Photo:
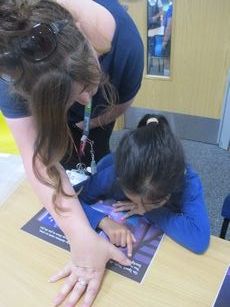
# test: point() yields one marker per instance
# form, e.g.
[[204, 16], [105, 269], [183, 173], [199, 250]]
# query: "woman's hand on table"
[[85, 272]]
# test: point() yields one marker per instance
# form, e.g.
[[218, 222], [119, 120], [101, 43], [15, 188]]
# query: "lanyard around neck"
[[86, 123]]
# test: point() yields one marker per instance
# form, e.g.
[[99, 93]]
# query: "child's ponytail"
[[150, 160]]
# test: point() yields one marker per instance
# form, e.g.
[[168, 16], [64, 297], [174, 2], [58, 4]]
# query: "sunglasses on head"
[[39, 44]]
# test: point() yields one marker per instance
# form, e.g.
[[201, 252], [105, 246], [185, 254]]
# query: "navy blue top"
[[190, 227], [123, 63], [168, 15]]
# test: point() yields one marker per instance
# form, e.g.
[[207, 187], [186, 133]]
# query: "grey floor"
[[213, 166], [211, 162]]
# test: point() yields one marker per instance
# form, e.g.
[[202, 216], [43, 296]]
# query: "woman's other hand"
[[85, 272]]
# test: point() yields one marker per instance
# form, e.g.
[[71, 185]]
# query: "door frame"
[[224, 128]]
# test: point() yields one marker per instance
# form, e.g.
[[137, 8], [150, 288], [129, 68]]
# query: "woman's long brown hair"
[[47, 85]]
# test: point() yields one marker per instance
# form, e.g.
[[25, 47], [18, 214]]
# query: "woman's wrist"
[[73, 223], [80, 236]]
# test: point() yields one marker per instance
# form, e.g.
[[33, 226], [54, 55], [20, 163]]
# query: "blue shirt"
[[190, 227], [123, 63], [168, 15]]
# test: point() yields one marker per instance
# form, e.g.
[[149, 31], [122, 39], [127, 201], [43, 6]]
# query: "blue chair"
[[226, 215]]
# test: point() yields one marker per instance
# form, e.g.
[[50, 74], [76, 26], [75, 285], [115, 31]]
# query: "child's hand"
[[130, 207], [118, 234]]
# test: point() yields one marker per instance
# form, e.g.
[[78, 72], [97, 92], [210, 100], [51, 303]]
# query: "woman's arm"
[[89, 252], [109, 116], [24, 133]]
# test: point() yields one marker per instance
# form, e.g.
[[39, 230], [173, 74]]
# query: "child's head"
[[150, 162]]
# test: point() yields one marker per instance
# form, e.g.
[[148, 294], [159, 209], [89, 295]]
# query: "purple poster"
[[148, 238], [223, 296]]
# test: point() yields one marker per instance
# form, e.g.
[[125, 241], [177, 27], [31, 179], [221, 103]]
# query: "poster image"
[[223, 295], [148, 237]]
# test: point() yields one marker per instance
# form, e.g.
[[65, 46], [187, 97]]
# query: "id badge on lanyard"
[[85, 134], [86, 122]]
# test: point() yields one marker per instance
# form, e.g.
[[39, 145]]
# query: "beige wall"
[[200, 58]]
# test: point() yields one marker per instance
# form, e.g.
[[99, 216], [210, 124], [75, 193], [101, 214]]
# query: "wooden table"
[[177, 277]]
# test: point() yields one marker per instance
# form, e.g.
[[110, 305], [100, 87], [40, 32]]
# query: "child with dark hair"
[[148, 176]]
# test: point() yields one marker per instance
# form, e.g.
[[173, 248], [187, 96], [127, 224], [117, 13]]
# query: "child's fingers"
[[118, 239], [128, 214], [112, 238], [129, 245], [123, 206], [133, 238], [119, 209], [127, 207], [123, 239], [120, 203]]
